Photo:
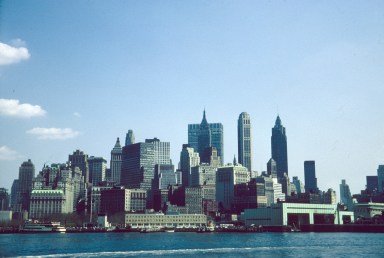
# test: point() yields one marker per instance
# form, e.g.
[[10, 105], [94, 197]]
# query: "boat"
[[42, 227]]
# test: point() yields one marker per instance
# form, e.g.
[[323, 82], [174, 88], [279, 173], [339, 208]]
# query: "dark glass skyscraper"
[[204, 137], [216, 135], [279, 148], [310, 179]]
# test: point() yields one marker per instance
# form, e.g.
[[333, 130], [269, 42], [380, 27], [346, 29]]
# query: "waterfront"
[[193, 244]]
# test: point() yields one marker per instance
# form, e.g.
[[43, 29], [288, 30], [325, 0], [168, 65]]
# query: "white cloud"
[[7, 154], [12, 107], [77, 114], [11, 55], [53, 133]]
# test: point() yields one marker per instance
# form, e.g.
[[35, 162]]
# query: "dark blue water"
[[193, 244]]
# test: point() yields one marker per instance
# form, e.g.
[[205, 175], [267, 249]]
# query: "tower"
[[244, 140], [129, 138], [204, 137], [80, 160], [115, 164], [26, 175], [97, 169], [380, 178], [188, 159], [279, 148], [216, 137], [310, 179]]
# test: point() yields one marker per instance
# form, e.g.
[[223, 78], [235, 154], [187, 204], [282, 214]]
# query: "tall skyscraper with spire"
[[244, 140], [204, 137], [115, 164], [279, 148], [216, 136]]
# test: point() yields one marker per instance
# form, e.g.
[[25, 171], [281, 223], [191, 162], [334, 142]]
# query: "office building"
[[115, 165], [129, 138], [203, 174], [345, 194], [271, 168], [14, 195], [80, 159], [164, 176], [26, 175], [216, 137], [244, 140], [119, 199], [97, 168], [4, 199], [310, 179], [188, 159], [372, 183], [195, 196], [139, 160], [226, 179], [380, 178], [279, 148], [299, 186]]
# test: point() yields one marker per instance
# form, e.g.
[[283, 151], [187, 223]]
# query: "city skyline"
[[94, 70]]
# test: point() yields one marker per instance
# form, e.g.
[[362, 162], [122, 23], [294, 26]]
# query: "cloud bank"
[[53, 133], [7, 154], [12, 55], [12, 107]]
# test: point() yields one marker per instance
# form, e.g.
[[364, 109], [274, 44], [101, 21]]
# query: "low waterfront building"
[[368, 210], [283, 214], [160, 220]]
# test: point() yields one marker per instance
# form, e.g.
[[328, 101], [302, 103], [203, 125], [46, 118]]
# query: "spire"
[[278, 121], [234, 160], [117, 145], [204, 121]]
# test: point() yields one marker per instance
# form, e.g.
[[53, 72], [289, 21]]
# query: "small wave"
[[158, 252]]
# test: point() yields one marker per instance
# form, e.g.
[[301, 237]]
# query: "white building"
[[44, 203], [283, 214]]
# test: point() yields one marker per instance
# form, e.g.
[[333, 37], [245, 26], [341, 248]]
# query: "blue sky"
[[87, 71]]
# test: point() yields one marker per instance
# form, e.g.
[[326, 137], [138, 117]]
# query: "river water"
[[193, 244]]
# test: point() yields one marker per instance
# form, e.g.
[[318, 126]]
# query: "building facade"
[[244, 140]]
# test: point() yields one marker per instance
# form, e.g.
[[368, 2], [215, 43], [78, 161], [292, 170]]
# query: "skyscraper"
[[244, 139], [204, 137], [129, 138], [80, 160], [279, 148], [372, 183], [188, 159], [380, 178], [216, 136], [115, 164], [345, 194], [97, 168], [139, 160], [26, 175], [310, 179]]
